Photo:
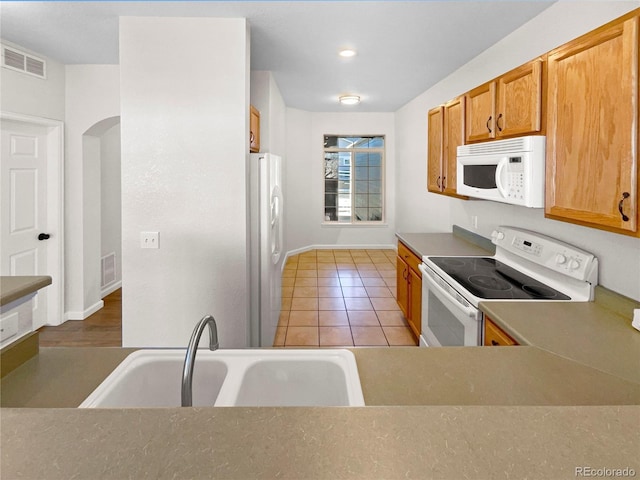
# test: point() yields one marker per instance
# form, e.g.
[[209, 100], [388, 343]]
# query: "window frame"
[[382, 151]]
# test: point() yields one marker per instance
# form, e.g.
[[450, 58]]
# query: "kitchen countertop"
[[587, 332], [432, 413], [446, 244], [538, 411], [13, 288]]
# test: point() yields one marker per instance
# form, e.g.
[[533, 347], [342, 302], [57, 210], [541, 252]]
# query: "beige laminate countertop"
[[441, 244], [586, 332], [13, 288], [432, 413]]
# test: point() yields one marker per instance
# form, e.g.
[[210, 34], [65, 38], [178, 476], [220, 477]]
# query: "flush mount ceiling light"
[[347, 53], [349, 99]]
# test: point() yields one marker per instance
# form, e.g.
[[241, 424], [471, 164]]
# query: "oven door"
[[448, 320]]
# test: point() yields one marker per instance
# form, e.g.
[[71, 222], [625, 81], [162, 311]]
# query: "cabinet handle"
[[251, 137], [438, 182], [498, 122], [404, 274], [444, 182], [494, 343], [625, 195], [488, 120]]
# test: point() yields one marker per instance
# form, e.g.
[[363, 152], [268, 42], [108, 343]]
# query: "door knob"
[[44, 236]]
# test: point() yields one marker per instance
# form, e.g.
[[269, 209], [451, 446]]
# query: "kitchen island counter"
[[431, 413]]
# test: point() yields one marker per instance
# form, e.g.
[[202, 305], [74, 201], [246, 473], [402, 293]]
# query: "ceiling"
[[403, 47]]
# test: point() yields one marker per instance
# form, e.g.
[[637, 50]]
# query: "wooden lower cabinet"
[[409, 288], [494, 336]]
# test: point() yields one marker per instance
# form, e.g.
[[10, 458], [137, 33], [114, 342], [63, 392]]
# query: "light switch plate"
[[149, 239]]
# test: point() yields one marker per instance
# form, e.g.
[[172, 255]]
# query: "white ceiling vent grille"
[[23, 62]]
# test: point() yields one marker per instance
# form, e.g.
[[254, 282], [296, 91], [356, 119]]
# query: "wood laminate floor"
[[102, 329]]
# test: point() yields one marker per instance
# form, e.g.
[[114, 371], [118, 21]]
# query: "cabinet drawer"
[[494, 336], [9, 326], [408, 256]]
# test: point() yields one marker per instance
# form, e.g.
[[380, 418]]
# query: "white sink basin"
[[153, 378]]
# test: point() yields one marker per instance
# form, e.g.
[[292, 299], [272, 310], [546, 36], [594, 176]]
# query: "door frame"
[[55, 210]]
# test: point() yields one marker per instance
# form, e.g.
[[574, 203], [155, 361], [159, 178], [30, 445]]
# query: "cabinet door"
[[481, 107], [254, 133], [453, 137], [519, 110], [435, 139], [592, 130], [402, 285], [415, 297], [494, 336]]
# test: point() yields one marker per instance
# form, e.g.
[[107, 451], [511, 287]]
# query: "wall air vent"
[[15, 59], [108, 269]]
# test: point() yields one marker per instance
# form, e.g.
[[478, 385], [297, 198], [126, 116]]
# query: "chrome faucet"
[[190, 358]]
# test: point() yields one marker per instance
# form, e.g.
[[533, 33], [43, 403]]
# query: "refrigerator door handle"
[[276, 224]]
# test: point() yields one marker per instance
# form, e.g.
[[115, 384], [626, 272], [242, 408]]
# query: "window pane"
[[362, 201], [376, 142], [362, 173], [375, 201], [375, 159], [362, 187], [375, 186], [375, 214], [374, 173], [330, 200], [330, 141], [362, 214], [330, 186], [330, 215], [330, 165], [344, 206], [362, 159]]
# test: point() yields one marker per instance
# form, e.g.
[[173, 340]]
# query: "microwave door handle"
[[501, 166], [469, 311]]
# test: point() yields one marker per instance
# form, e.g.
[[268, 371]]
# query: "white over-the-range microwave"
[[508, 171]]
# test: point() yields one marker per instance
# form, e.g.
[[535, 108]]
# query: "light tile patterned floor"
[[341, 298]]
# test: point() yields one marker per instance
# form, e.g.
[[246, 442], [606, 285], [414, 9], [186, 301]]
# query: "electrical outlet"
[[149, 239], [474, 221]]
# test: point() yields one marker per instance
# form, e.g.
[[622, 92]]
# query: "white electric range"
[[527, 266]]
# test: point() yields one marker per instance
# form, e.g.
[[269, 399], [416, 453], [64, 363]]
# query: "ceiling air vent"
[[23, 62]]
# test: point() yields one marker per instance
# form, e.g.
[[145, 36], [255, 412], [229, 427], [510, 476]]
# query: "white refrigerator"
[[266, 232]]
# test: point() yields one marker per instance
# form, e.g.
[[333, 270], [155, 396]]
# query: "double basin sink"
[[153, 378]]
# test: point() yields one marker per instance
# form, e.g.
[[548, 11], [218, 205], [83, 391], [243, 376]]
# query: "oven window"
[[480, 176], [443, 324]]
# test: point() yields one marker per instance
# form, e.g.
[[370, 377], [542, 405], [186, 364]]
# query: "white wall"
[[184, 135], [110, 198], [266, 97], [619, 255], [92, 96], [29, 95], [304, 179]]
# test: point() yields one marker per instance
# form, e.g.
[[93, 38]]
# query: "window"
[[353, 179]]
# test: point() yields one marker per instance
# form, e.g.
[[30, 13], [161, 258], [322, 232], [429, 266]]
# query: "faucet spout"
[[190, 357]]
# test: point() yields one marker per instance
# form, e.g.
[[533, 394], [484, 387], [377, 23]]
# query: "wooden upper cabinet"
[[519, 110], [435, 148], [509, 106], [445, 134], [453, 137], [254, 130], [592, 129], [481, 112]]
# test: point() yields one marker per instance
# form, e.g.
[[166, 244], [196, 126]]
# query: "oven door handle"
[[468, 310]]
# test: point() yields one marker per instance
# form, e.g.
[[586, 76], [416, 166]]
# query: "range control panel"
[[546, 251]]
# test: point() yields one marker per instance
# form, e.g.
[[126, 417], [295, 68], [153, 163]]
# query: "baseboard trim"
[[297, 251], [82, 315], [111, 288]]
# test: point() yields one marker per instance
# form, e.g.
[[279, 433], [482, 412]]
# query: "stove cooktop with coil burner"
[[488, 278]]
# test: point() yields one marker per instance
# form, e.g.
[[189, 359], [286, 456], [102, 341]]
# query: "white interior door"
[[23, 187]]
